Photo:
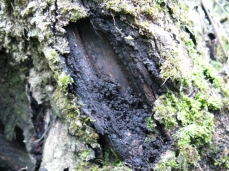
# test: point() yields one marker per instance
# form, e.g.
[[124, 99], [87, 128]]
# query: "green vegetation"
[[72, 11], [224, 162], [69, 109], [85, 154], [189, 114], [186, 113], [150, 123], [166, 164], [51, 55], [27, 36], [9, 5], [201, 92], [135, 8], [188, 155], [111, 158], [64, 81]]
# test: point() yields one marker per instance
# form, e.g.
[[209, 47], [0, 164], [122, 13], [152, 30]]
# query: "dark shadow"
[[19, 137], [1, 128]]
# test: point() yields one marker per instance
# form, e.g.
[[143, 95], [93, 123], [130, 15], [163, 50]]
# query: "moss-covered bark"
[[36, 84]]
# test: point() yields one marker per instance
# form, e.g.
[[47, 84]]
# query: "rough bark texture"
[[80, 79], [116, 88]]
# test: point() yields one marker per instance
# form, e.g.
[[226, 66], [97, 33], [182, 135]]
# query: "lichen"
[[70, 11], [28, 32]]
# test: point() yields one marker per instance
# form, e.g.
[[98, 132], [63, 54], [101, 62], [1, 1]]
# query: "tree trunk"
[[81, 79]]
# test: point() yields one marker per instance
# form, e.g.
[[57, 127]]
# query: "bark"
[[117, 84], [90, 74]]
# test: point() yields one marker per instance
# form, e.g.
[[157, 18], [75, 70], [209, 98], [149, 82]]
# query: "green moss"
[[70, 111], [150, 124], [64, 81], [84, 155], [188, 155], [191, 116], [135, 8], [223, 162], [195, 134], [166, 164], [51, 55], [111, 161], [71, 11], [165, 112], [76, 15], [120, 6], [170, 109], [188, 113]]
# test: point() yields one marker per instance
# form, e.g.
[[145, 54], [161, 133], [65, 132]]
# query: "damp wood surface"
[[116, 90]]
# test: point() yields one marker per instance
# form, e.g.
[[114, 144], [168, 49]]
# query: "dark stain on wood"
[[118, 82]]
